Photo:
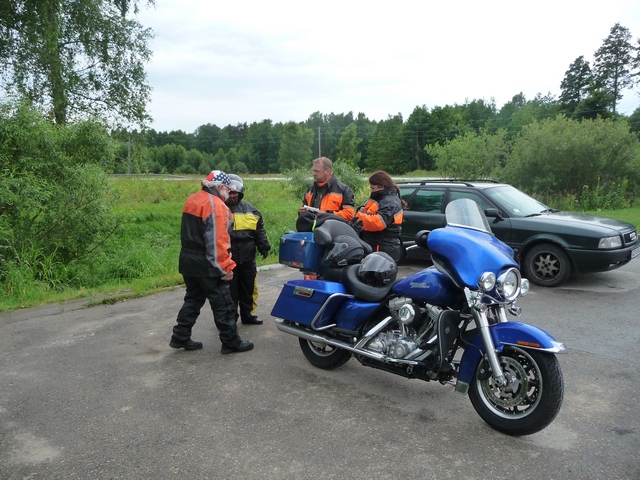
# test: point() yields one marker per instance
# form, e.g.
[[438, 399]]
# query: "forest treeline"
[[396, 144]]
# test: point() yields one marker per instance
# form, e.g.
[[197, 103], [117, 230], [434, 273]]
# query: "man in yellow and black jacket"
[[247, 236]]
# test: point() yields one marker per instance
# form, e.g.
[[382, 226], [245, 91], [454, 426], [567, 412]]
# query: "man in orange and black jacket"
[[328, 194], [206, 265]]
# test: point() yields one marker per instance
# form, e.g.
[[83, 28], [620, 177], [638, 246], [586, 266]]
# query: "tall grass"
[[142, 257]]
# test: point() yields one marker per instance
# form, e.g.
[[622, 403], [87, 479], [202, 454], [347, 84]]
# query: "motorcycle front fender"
[[509, 333]]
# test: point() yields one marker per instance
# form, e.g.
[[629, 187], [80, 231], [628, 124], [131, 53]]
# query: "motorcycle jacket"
[[248, 233], [381, 219], [333, 196], [204, 234]]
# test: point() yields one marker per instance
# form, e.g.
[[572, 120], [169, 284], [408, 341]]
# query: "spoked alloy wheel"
[[530, 400], [547, 265], [323, 355]]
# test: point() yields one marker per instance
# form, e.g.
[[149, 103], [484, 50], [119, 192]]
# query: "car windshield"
[[514, 202]]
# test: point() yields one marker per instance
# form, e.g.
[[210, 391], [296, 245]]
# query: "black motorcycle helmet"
[[378, 269], [237, 184], [346, 251]]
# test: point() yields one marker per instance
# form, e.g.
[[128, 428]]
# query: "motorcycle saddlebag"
[[301, 300], [299, 250]]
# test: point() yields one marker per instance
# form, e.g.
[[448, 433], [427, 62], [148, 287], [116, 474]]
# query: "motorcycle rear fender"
[[509, 333]]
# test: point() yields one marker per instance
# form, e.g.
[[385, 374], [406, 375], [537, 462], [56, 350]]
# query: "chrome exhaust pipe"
[[314, 337]]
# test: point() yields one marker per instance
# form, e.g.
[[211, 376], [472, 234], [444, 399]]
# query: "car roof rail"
[[465, 181]]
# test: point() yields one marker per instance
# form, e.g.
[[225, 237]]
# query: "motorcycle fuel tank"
[[428, 285]]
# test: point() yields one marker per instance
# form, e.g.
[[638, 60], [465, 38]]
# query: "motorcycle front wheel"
[[531, 399], [323, 355]]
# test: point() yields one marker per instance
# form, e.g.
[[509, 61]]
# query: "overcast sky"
[[246, 61]]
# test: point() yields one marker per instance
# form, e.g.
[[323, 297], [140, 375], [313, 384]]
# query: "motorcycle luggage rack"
[[328, 310]]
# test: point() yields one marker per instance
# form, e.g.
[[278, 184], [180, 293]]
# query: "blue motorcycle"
[[447, 323]]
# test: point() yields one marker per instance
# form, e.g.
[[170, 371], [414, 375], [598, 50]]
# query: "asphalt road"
[[93, 393]]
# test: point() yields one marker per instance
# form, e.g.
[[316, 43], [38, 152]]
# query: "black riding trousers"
[[200, 289]]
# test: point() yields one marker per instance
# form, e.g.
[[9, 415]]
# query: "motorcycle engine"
[[401, 341]]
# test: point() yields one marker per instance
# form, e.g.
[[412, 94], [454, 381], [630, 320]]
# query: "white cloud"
[[245, 61]]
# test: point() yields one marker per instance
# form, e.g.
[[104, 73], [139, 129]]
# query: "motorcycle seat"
[[361, 290], [326, 233]]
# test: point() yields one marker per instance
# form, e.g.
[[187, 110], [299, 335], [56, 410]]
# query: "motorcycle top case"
[[301, 300], [299, 250]]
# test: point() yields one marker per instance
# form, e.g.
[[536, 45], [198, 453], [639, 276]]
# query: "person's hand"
[[264, 254], [357, 225], [228, 277]]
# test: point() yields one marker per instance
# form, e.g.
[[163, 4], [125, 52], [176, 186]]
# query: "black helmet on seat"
[[378, 268], [346, 251]]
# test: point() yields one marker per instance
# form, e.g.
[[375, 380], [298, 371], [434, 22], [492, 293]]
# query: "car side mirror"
[[493, 213], [421, 238]]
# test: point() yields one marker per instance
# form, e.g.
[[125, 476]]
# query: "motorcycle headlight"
[[509, 284], [487, 281]]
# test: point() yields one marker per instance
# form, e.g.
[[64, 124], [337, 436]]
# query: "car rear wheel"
[[547, 265]]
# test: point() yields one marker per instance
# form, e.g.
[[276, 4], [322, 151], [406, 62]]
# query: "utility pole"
[[319, 147]]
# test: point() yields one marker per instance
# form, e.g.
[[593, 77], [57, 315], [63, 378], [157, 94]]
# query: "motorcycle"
[[447, 323]]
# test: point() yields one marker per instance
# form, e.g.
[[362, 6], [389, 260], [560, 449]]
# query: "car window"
[[405, 193], [482, 203], [427, 201], [514, 201]]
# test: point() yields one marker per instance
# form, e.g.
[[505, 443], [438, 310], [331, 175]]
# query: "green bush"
[[55, 200], [472, 155], [563, 156]]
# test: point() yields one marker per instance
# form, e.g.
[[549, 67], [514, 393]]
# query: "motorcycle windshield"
[[466, 248], [466, 213]]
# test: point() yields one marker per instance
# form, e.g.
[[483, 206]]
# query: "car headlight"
[[508, 284], [487, 281], [610, 242]]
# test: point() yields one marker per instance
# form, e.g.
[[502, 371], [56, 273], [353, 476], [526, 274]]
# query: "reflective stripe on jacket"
[[204, 234], [381, 219], [248, 233], [334, 196]]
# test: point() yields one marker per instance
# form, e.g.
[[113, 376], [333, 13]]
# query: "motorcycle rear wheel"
[[323, 355], [530, 402]]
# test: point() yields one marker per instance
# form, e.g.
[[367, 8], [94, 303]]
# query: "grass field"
[[143, 259]]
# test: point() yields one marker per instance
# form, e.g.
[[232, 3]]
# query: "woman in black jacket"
[[380, 219]]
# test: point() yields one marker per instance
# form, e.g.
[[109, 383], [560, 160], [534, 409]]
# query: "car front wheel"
[[547, 265]]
